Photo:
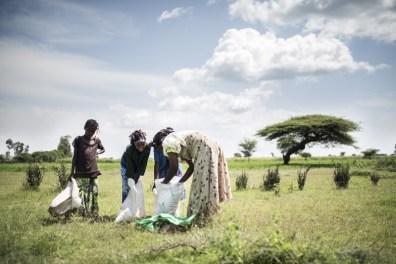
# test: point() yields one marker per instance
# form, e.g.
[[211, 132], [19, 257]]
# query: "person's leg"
[[94, 191], [124, 185], [140, 198], [83, 187]]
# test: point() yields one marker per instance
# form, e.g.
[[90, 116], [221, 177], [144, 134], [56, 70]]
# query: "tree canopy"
[[64, 147], [248, 146], [295, 133]]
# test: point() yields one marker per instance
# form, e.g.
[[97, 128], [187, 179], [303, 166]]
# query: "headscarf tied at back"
[[138, 136], [159, 137]]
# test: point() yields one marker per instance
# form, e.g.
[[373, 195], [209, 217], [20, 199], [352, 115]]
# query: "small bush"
[[34, 176], [302, 176], [305, 155], [374, 177], [341, 175], [63, 177], [271, 179], [241, 181], [386, 163]]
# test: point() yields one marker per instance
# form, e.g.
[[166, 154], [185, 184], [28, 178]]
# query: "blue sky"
[[226, 68]]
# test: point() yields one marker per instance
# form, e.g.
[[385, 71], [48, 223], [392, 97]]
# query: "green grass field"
[[320, 223]]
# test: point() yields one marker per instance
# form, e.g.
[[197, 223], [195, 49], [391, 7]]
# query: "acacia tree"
[[248, 146], [294, 134]]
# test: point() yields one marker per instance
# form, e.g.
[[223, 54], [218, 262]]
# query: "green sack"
[[155, 222]]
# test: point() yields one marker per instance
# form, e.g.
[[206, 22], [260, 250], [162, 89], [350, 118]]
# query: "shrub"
[[34, 176], [302, 176], [386, 163], [63, 177], [45, 156], [369, 153], [341, 175], [237, 155], [241, 181], [272, 178], [374, 177], [305, 155], [23, 157]]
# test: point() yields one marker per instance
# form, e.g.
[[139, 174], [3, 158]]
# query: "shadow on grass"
[[51, 220], [312, 165]]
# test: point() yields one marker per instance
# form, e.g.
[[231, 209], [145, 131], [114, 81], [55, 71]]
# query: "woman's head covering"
[[159, 137], [138, 136]]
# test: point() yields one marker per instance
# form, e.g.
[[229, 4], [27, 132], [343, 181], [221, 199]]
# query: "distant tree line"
[[19, 152]]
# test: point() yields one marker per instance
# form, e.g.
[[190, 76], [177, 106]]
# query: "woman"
[[134, 164], [211, 182]]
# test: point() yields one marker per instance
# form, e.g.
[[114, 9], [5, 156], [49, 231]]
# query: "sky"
[[225, 68]]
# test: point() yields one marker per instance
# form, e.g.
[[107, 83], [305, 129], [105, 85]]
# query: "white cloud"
[[174, 13], [246, 55], [355, 18], [38, 72], [218, 102]]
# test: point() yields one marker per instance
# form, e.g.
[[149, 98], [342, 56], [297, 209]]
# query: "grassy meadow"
[[321, 224]]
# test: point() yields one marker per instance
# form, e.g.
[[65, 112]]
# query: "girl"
[[134, 163]]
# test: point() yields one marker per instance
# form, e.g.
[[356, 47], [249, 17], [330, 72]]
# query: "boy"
[[85, 168]]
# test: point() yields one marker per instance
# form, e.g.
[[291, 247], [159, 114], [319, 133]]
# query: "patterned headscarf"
[[138, 136], [159, 137]]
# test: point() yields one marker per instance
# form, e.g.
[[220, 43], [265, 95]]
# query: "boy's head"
[[138, 138], [90, 127]]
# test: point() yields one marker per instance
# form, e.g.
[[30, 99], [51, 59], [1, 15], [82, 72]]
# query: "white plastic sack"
[[133, 205], [168, 196], [68, 199]]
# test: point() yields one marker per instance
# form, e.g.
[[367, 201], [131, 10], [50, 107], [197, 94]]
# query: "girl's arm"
[[188, 172], [173, 167]]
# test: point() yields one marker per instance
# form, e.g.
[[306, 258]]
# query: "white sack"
[[133, 205], [167, 196], [68, 199]]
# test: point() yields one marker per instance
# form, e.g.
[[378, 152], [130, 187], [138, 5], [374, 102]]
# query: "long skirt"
[[211, 180]]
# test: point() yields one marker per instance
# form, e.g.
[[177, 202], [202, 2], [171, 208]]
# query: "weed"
[[341, 175], [271, 179], [241, 181]]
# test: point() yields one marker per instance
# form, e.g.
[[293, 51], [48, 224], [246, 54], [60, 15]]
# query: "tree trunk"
[[286, 158]]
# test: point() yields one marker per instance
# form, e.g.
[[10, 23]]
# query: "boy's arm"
[[100, 147], [73, 165]]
